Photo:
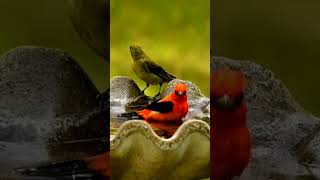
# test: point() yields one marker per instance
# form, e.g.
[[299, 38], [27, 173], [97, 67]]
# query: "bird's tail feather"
[[168, 77], [171, 76], [130, 115]]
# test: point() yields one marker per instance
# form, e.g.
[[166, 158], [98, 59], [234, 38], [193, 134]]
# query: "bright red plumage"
[[231, 142], [175, 111], [168, 113]]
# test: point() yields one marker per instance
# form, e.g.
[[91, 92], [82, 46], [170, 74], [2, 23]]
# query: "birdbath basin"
[[139, 152]]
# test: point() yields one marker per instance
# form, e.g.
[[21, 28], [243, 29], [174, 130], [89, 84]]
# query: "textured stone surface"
[[123, 93], [284, 135], [199, 105], [123, 89], [138, 153], [48, 109], [42, 90]]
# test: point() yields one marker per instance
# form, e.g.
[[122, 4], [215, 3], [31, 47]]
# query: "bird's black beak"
[[224, 101], [227, 102]]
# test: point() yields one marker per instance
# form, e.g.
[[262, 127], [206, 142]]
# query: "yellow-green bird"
[[147, 70]]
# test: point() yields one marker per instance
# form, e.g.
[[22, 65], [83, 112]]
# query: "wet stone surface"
[[285, 137], [49, 109]]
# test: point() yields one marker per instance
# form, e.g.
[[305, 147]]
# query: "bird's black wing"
[[158, 70], [162, 107]]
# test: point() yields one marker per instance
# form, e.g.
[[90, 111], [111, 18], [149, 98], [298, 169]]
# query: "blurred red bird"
[[231, 141], [94, 167], [172, 108], [99, 164]]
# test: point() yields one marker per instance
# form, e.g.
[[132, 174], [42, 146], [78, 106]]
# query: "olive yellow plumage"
[[147, 70]]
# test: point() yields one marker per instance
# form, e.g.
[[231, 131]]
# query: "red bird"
[[165, 114], [99, 164], [231, 141], [172, 108]]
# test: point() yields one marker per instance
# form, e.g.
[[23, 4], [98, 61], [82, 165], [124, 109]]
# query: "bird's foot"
[[141, 95]]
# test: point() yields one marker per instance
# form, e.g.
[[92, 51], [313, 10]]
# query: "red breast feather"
[[231, 142], [171, 108]]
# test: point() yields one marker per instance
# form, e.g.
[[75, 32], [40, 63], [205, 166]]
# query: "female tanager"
[[147, 70]]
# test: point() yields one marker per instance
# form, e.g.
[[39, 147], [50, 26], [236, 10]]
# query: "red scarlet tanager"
[[231, 142], [172, 108]]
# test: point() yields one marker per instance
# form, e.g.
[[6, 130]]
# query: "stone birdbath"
[[139, 152]]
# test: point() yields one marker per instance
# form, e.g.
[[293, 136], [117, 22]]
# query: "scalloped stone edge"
[[140, 126]]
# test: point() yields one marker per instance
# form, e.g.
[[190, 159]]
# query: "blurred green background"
[[284, 36], [175, 34], [47, 23]]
